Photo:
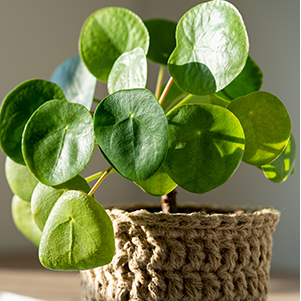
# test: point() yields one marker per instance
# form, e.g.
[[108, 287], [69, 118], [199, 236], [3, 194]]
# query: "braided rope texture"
[[187, 257]]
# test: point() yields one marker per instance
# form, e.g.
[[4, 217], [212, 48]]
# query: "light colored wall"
[[38, 35]]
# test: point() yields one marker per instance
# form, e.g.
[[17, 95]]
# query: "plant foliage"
[[194, 132]]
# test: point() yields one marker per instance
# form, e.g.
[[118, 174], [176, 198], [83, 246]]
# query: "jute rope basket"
[[187, 257]]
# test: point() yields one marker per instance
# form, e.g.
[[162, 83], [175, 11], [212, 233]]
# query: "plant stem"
[[159, 81], [96, 100], [103, 176], [184, 100], [164, 93], [97, 175], [168, 202]]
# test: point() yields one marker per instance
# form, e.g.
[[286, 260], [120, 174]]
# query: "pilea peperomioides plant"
[[193, 132]]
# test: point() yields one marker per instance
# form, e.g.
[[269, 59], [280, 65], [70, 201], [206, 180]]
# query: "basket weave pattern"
[[185, 257]]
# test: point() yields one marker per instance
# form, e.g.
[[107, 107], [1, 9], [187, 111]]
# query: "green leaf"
[[132, 132], [206, 146], [20, 180], [58, 141], [44, 197], [280, 169], [248, 81], [76, 81], [17, 108], [212, 48], [162, 39], [266, 124], [24, 221], [108, 33], [129, 71], [78, 234], [159, 184]]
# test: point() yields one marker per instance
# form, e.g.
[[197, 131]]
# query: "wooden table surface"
[[26, 277]]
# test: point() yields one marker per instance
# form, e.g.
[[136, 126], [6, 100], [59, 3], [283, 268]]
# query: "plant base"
[[186, 256]]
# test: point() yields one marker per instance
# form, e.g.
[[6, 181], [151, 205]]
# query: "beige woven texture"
[[185, 257]]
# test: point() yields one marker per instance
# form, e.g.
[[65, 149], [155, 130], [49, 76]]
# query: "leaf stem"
[[159, 81], [97, 175], [184, 100], [103, 176], [96, 100], [164, 93]]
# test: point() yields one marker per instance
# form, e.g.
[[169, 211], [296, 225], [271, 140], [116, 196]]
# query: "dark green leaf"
[[23, 220], [78, 234], [248, 81], [76, 81], [266, 124], [280, 169], [108, 33], [129, 71], [20, 180], [212, 48], [162, 39], [132, 132], [17, 108], [44, 197], [206, 146], [159, 184], [58, 141]]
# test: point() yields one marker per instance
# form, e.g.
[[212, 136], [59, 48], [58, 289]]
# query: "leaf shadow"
[[194, 78]]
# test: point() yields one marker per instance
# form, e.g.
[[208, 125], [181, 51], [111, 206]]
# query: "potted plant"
[[193, 132]]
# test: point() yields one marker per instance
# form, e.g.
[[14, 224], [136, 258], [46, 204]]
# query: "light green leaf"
[[108, 33], [280, 169], [206, 146], [17, 108], [20, 180], [212, 48], [159, 184], [266, 124], [129, 71], [76, 81], [44, 197], [58, 141], [78, 234], [162, 39], [132, 132], [248, 81], [24, 221]]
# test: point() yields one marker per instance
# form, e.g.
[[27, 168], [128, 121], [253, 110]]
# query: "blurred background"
[[36, 36]]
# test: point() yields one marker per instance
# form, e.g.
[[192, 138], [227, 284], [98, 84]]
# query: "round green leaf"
[[20, 180], [132, 132], [280, 169], [158, 184], [78, 234], [266, 124], [23, 220], [162, 39], [58, 141], [248, 81], [17, 108], [44, 197], [206, 146], [129, 71], [212, 48], [76, 81], [108, 33]]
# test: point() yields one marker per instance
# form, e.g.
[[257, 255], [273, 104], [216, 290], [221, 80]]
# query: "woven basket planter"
[[187, 257]]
